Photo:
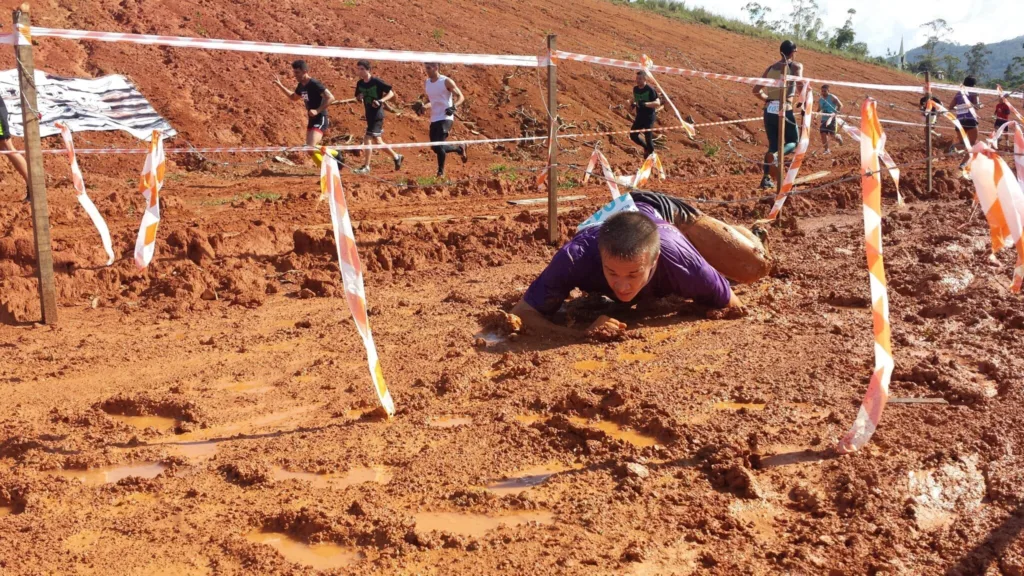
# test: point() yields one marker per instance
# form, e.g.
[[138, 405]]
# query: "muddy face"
[[627, 277]]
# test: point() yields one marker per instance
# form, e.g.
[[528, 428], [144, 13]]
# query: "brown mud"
[[213, 414]]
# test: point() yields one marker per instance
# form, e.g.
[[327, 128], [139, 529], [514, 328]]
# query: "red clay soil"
[[212, 381]]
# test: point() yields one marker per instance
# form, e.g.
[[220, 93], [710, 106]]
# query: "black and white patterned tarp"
[[84, 104]]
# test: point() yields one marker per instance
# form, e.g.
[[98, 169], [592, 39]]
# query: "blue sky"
[[881, 23]]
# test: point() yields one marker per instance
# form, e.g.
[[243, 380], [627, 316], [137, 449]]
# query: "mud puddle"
[[477, 524], [590, 365], [325, 556], [260, 424], [528, 419], [617, 432], [376, 474], [6, 511], [195, 451], [112, 474], [753, 407], [449, 421], [527, 478]]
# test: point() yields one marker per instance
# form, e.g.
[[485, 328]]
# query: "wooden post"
[[552, 144], [783, 100], [928, 127], [34, 158]]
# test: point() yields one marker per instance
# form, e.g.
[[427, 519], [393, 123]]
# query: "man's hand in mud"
[[730, 313], [606, 324]]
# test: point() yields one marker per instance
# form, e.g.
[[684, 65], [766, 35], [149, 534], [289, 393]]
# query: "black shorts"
[[999, 123], [827, 126], [375, 128], [5, 129], [320, 123], [968, 122], [771, 127]]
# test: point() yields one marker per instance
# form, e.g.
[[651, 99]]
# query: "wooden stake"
[[928, 127], [34, 158], [783, 100], [552, 144]]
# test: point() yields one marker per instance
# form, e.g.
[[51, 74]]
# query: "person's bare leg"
[[390, 150], [18, 161], [367, 139]]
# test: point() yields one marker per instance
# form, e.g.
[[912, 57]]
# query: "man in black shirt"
[[317, 98], [373, 93], [645, 102]]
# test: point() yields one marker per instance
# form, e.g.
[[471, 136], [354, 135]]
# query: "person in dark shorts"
[[966, 110], [317, 99], [16, 159], [773, 99], [443, 98], [373, 93], [829, 105], [645, 102], [631, 257], [933, 115]]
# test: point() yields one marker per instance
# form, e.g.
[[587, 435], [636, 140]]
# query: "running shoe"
[[362, 170], [464, 153], [398, 162], [766, 183]]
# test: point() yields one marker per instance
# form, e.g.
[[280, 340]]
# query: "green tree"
[[807, 24], [977, 60], [758, 15], [845, 36], [1013, 76], [951, 66], [938, 30]]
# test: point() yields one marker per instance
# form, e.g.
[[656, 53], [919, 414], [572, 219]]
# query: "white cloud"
[[881, 23]]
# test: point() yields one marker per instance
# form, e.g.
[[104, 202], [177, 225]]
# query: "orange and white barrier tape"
[[877, 396], [150, 184], [79, 183], [651, 163], [890, 164], [352, 273], [292, 49], [1001, 198], [647, 64], [930, 104], [666, 69], [606, 169], [807, 96]]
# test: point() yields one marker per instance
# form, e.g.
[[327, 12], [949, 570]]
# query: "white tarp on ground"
[[107, 103]]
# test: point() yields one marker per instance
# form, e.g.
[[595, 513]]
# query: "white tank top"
[[440, 98]]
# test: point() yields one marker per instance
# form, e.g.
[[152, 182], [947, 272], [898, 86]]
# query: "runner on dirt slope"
[[645, 102], [633, 256], [829, 105], [317, 99], [771, 109], [443, 98], [373, 93]]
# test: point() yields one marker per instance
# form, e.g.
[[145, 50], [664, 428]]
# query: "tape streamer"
[[79, 182]]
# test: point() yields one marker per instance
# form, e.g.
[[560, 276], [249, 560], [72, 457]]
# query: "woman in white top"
[[440, 91]]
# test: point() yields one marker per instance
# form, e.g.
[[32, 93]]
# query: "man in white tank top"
[[440, 91]]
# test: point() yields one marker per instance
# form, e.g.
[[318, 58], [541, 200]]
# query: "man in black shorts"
[[317, 98], [17, 160], [775, 99], [645, 102], [373, 93]]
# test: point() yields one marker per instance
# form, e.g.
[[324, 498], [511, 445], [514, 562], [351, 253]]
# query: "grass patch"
[[568, 183], [438, 33], [505, 172], [428, 181], [711, 150], [258, 197]]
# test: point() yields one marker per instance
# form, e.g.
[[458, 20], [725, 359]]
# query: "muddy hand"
[[606, 323]]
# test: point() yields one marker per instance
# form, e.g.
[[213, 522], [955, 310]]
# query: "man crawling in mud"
[[633, 256]]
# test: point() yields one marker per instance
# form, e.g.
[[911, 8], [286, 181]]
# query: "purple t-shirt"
[[681, 271]]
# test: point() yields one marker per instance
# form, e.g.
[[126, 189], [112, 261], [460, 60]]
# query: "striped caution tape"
[[352, 273], [651, 164], [890, 164], [150, 184], [79, 183], [292, 49], [597, 158], [1002, 200], [877, 395], [807, 96], [647, 64]]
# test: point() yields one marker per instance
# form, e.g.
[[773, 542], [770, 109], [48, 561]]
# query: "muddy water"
[[477, 524], [449, 421], [738, 406], [143, 422], [377, 474], [528, 418], [324, 556], [6, 511], [111, 474], [618, 432], [526, 479], [636, 357], [197, 451]]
